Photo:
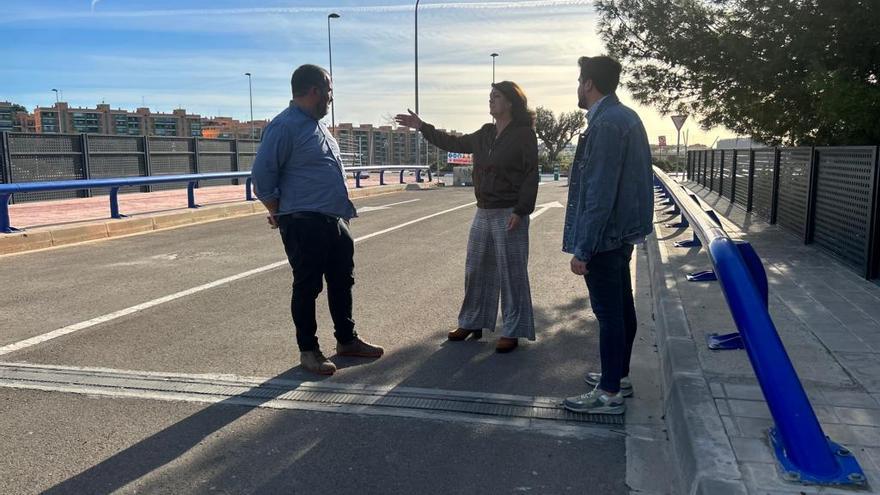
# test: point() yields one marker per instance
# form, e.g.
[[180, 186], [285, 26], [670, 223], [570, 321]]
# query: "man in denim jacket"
[[610, 208]]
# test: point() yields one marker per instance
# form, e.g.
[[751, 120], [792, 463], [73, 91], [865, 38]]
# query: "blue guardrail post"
[[802, 449]]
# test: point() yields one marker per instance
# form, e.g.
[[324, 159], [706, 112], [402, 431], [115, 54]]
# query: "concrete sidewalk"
[[62, 222], [827, 316]]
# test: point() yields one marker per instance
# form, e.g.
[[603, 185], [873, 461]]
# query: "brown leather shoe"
[[463, 333], [506, 344], [315, 362], [359, 348]]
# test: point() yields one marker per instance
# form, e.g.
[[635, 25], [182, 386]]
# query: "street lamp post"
[[418, 137], [58, 111], [332, 15], [251, 98], [493, 55]]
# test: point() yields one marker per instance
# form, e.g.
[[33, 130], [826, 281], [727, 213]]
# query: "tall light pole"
[[332, 15], [58, 111], [251, 97], [493, 55], [418, 136]]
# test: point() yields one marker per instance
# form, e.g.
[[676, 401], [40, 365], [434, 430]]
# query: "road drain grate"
[[279, 392]]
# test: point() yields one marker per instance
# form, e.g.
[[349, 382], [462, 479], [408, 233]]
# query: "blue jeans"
[[608, 280]]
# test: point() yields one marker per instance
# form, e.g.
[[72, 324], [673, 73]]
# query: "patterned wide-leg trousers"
[[497, 264]]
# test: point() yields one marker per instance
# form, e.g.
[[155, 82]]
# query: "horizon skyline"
[[194, 63]]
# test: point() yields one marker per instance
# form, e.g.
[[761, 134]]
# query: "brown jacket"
[[505, 169]]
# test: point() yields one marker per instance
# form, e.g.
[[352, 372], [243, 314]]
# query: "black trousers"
[[319, 247], [611, 297]]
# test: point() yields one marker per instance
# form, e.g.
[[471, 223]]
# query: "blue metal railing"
[[383, 168], [802, 449], [192, 180], [7, 190]]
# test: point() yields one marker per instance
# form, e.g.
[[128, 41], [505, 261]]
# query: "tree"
[[782, 71], [556, 134]]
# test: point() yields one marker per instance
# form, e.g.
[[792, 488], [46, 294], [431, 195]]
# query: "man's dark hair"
[[307, 76], [604, 72]]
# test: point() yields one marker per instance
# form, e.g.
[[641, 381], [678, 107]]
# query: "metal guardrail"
[[7, 190], [27, 157], [192, 180], [383, 168], [805, 454]]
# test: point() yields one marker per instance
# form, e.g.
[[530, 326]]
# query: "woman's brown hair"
[[520, 113]]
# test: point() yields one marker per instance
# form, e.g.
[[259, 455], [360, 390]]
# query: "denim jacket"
[[610, 195]]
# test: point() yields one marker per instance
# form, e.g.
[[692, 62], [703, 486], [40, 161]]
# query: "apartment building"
[[386, 145], [61, 118], [229, 128], [15, 118]]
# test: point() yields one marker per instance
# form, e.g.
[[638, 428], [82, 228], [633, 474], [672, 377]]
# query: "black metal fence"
[[824, 195], [45, 157]]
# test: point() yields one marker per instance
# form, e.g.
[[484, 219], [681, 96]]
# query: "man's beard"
[[321, 110]]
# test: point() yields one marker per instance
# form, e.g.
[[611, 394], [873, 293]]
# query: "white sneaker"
[[626, 387]]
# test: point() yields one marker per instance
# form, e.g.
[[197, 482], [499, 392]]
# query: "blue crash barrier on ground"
[[804, 452]]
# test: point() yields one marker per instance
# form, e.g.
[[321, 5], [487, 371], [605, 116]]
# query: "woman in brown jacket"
[[506, 184]]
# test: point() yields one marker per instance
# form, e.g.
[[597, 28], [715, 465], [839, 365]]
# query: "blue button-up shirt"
[[298, 164]]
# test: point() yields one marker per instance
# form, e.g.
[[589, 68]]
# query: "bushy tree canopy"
[[782, 71], [556, 133]]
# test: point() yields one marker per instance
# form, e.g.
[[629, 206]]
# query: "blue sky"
[[193, 54]]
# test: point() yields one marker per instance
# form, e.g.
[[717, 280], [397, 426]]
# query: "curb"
[[65, 235], [702, 453]]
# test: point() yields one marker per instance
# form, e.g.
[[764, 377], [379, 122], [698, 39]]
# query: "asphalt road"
[[213, 300]]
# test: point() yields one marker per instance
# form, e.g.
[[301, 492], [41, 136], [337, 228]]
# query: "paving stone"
[[751, 450], [869, 457], [864, 367], [850, 435], [754, 427], [825, 414], [722, 406], [749, 408], [730, 426], [858, 416], [748, 392], [840, 339], [717, 389], [764, 477], [850, 398]]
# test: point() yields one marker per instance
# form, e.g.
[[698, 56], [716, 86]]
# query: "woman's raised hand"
[[409, 120]]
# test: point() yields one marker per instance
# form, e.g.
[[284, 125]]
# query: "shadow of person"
[[169, 444]]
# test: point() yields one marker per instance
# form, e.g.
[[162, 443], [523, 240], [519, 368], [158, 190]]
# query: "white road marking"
[[39, 339], [405, 224], [365, 209], [544, 207]]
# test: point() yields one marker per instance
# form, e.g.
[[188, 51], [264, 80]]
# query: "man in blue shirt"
[[299, 177], [610, 208]]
